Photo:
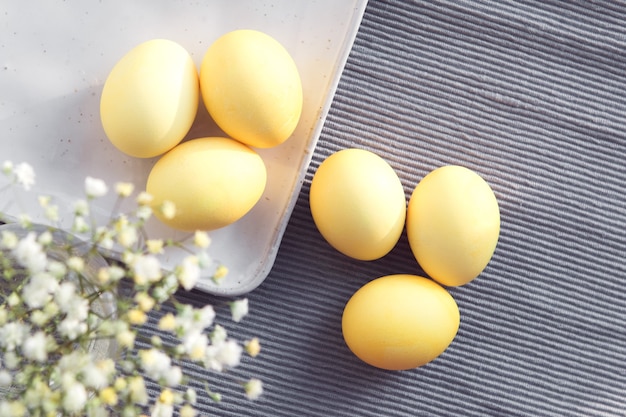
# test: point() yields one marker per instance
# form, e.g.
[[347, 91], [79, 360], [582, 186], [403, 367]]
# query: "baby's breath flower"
[[34, 347], [74, 398], [126, 339], [9, 239], [137, 317], [201, 239], [5, 378], [188, 411], [81, 208], [24, 175], [52, 213], [124, 189], [167, 322], [95, 188], [45, 238], [144, 198], [146, 268], [76, 263], [29, 253], [144, 301], [108, 396], [189, 272], [168, 209], [80, 225], [155, 246], [220, 273], [253, 388], [25, 220], [239, 309], [143, 212], [253, 347], [7, 168]]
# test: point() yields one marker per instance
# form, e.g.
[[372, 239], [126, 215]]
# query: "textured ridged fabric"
[[532, 96]]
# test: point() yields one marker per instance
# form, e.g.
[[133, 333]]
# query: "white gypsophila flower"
[[95, 187], [74, 398], [195, 344], [71, 328], [219, 334], [45, 238], [57, 269], [9, 240], [29, 253], [24, 175], [39, 289], [162, 410], [34, 347], [174, 377], [253, 388], [76, 263], [189, 272], [137, 390], [80, 225], [155, 363], [124, 189], [229, 353], [205, 316], [239, 309], [104, 237], [201, 239], [5, 378], [188, 411], [12, 335], [143, 212], [81, 208], [11, 360], [147, 268], [168, 209], [94, 376], [7, 168], [127, 236]]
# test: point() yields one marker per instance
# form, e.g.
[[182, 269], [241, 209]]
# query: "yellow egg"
[[358, 203], [251, 88], [453, 224], [400, 322], [212, 182], [150, 98]]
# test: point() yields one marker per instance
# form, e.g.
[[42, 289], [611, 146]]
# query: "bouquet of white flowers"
[[73, 304]]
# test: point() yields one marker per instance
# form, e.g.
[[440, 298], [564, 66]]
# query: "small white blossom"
[[9, 239], [39, 289], [201, 239], [155, 363], [74, 398], [174, 377], [189, 272], [168, 209], [124, 189], [239, 309], [12, 335], [76, 263], [147, 268], [80, 225], [71, 328], [34, 347], [24, 175], [162, 410], [45, 238], [253, 389], [5, 378], [95, 187], [7, 168], [81, 208], [29, 253]]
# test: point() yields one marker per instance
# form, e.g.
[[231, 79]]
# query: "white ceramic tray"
[[56, 55]]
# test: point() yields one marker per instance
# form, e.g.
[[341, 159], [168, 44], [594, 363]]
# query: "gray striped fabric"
[[531, 95]]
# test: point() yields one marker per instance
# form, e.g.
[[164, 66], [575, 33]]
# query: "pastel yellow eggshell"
[[150, 98], [358, 203], [212, 182], [453, 224], [400, 322], [252, 88]]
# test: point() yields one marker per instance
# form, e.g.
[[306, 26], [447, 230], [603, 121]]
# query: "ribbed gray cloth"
[[532, 96]]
